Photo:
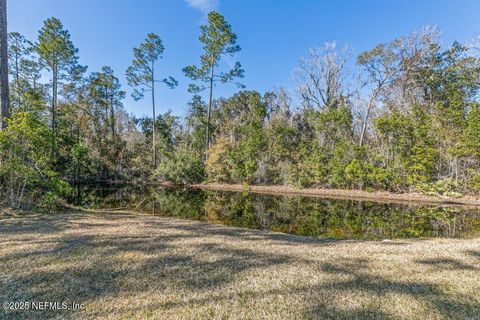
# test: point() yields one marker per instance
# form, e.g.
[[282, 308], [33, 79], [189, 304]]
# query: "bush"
[[356, 174], [447, 187], [342, 155], [474, 182], [312, 169], [181, 168], [27, 177], [217, 167]]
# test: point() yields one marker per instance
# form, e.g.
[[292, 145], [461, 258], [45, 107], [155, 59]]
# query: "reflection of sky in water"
[[315, 217]]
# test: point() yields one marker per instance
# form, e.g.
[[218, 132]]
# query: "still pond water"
[[306, 216]]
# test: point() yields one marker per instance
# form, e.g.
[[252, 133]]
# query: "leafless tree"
[[394, 70], [321, 76], [414, 53]]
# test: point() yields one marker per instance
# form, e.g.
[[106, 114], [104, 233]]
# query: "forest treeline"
[[402, 116]]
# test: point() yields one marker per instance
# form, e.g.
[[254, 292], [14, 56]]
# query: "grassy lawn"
[[144, 267]]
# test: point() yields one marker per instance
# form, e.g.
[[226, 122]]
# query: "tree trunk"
[[364, 127], [4, 102], [365, 121], [54, 107], [207, 134], [112, 120], [114, 143], [154, 147], [17, 78]]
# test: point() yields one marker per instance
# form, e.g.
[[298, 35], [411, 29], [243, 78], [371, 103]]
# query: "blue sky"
[[273, 34]]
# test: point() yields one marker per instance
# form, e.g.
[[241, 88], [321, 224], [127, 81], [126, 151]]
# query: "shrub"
[[27, 177], [217, 167], [474, 182], [181, 168], [447, 187]]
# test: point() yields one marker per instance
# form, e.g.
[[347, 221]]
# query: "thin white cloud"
[[205, 6]]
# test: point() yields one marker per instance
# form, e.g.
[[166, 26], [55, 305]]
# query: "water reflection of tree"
[[337, 218], [181, 203], [301, 215]]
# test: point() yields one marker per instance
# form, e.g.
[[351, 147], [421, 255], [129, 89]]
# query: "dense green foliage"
[[26, 173], [411, 123]]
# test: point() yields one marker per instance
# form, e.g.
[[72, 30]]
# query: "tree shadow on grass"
[[30, 225], [447, 264], [475, 254], [83, 268], [162, 256], [361, 279], [201, 229], [351, 278]]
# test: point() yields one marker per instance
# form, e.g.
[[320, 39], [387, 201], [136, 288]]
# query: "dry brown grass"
[[145, 267]]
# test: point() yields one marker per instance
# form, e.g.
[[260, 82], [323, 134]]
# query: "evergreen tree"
[[18, 50], [141, 75], [58, 54], [107, 94], [218, 41]]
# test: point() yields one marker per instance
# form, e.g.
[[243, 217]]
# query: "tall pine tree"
[[142, 77], [4, 100], [218, 41], [59, 55]]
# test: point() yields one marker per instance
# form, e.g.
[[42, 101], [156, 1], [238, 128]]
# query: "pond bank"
[[123, 266], [376, 196]]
